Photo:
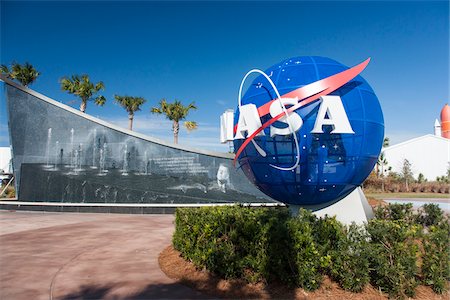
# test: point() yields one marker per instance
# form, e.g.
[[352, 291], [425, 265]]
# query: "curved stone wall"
[[62, 155]]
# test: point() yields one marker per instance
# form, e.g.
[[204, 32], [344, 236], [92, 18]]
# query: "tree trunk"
[[83, 106], [176, 129], [130, 119]]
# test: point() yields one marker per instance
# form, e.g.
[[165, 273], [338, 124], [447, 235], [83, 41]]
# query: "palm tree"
[[5, 70], [131, 105], [83, 88], [176, 112], [26, 74]]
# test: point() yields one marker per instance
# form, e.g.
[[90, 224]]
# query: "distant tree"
[[421, 178], [394, 176], [176, 112], [82, 87], [382, 162], [442, 179], [26, 74], [406, 173], [131, 105]]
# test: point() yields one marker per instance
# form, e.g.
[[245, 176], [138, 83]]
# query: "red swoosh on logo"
[[306, 94]]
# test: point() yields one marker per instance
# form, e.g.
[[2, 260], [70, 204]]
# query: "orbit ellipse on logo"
[[308, 130]]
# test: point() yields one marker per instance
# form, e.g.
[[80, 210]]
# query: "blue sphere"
[[331, 165]]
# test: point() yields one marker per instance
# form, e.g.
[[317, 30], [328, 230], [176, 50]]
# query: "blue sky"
[[199, 51]]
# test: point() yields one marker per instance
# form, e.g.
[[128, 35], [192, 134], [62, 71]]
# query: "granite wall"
[[62, 155]]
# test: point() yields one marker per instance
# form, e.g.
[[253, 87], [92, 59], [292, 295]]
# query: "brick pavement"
[[85, 256]]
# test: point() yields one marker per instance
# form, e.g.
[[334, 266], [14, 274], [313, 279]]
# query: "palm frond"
[[99, 86], [156, 110], [190, 125], [100, 100], [26, 74], [130, 104], [4, 70], [82, 87]]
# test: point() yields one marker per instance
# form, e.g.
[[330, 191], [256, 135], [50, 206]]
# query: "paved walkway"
[[85, 256]]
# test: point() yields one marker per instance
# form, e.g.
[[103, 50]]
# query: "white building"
[[428, 154], [5, 163], [5, 159]]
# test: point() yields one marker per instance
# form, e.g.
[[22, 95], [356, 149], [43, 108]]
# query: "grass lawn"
[[406, 195]]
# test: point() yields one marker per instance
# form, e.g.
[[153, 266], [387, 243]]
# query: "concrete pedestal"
[[353, 208]]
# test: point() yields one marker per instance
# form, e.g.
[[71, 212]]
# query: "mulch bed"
[[175, 267]]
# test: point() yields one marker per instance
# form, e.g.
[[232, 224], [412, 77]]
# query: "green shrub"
[[350, 260], [234, 241], [430, 214], [393, 256], [267, 244], [305, 254], [435, 263], [396, 211], [328, 233]]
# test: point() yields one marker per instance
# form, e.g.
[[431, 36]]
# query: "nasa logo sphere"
[[308, 130]]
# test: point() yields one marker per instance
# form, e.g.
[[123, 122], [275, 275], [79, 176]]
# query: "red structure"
[[445, 121]]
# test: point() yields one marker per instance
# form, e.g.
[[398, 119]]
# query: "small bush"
[[350, 260], [435, 264], [396, 212], [430, 214], [328, 233], [234, 241], [415, 187], [434, 187], [10, 191], [393, 256], [305, 255], [443, 189]]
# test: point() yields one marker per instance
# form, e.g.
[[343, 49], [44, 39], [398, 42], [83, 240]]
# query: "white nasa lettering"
[[249, 121], [294, 121], [331, 113], [332, 106]]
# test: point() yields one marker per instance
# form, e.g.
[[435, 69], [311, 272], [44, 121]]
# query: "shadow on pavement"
[[152, 291]]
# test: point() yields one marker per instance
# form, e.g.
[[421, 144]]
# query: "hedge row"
[[374, 184], [267, 244]]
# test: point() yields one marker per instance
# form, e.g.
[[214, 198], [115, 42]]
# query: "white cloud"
[[205, 137], [143, 125], [222, 102], [210, 143], [158, 123]]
